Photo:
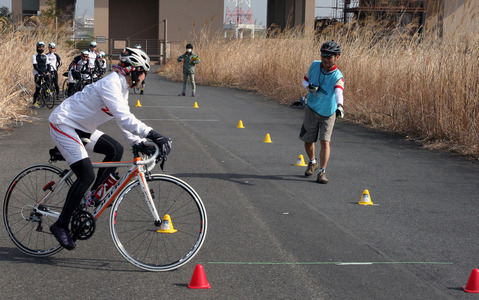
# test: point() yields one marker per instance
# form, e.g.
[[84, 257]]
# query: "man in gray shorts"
[[325, 84]]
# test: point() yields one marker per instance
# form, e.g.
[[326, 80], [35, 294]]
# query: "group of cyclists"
[[88, 67]]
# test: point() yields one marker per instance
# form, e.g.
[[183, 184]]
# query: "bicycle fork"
[[147, 193]]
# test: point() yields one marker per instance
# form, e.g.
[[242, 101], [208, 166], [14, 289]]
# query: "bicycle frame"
[[137, 168]]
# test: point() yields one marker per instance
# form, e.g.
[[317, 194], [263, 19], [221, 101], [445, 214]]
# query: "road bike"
[[157, 221], [47, 94], [80, 83]]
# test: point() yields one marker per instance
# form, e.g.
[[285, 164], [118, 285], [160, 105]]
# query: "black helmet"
[[330, 48], [189, 46]]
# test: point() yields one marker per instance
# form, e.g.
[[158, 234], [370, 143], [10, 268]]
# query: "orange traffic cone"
[[199, 281], [472, 285]]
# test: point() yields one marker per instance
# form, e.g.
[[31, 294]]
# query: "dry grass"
[[420, 86], [16, 50]]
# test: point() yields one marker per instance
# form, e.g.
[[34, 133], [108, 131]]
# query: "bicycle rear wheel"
[[152, 246], [28, 229]]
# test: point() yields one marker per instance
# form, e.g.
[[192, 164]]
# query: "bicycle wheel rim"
[[28, 231], [50, 99], [147, 245], [65, 89]]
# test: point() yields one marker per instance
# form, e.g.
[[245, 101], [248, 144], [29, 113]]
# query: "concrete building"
[[121, 23], [290, 13], [22, 9]]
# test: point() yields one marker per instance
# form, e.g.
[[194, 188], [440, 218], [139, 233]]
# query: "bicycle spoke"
[[27, 228], [146, 244]]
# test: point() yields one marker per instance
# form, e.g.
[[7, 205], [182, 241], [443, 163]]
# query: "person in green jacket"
[[190, 60]]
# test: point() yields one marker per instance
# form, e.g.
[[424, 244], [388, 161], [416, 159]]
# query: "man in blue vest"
[[325, 84]]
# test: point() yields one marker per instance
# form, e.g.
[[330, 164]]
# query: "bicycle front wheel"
[[50, 96], [65, 89], [148, 244], [26, 225]]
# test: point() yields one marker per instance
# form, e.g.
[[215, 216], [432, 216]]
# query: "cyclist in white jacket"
[[79, 116]]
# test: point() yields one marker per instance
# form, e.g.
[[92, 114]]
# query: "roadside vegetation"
[[421, 86], [17, 46]]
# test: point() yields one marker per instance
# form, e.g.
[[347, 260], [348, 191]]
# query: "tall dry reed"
[[417, 85], [18, 45]]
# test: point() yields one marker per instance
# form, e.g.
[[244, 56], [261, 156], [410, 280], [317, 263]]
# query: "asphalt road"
[[272, 233]]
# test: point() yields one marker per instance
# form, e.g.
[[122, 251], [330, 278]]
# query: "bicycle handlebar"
[[153, 157]]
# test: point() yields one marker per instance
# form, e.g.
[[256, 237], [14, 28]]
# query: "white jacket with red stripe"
[[98, 103]]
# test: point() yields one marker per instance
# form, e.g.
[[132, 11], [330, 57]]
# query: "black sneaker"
[[63, 236], [141, 93]]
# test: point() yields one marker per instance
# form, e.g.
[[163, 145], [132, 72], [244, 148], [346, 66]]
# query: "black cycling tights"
[[112, 150], [83, 169]]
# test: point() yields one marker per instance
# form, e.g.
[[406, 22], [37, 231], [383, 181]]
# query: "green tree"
[[51, 12], [4, 12]]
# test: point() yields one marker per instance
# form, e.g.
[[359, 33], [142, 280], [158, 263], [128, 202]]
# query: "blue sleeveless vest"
[[323, 101]]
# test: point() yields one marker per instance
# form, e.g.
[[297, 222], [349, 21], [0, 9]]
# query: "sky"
[[258, 8]]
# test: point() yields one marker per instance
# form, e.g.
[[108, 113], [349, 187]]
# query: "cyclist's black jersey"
[[41, 65]]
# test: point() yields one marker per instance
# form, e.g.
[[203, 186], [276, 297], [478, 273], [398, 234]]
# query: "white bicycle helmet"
[[136, 58], [52, 45]]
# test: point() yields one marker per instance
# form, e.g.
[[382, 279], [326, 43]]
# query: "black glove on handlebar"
[[163, 142]]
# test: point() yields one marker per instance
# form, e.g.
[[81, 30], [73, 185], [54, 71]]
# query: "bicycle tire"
[[28, 230], [134, 231], [65, 89], [50, 96], [41, 97]]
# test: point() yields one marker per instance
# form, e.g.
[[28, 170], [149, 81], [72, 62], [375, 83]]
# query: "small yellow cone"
[[240, 124], [366, 198], [196, 105], [301, 162], [138, 104], [267, 138], [167, 225]]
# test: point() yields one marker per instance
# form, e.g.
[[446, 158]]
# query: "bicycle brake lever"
[[162, 163]]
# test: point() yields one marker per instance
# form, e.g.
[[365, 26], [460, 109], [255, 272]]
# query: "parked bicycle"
[[47, 94], [35, 198], [80, 83]]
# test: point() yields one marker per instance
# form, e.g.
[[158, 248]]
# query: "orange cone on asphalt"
[[198, 280], [472, 285]]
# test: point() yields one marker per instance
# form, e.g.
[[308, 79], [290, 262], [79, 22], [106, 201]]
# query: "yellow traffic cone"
[[267, 138], [138, 104], [366, 198], [196, 105], [301, 162], [167, 225], [240, 124]]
